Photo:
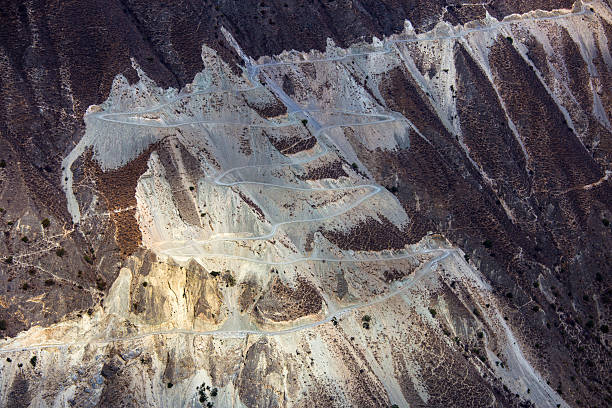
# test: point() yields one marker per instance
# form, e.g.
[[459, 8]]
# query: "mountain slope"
[[359, 226]]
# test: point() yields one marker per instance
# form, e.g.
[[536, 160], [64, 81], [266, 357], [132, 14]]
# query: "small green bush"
[[25, 239], [604, 328], [230, 280], [366, 318], [100, 283], [45, 223], [487, 243], [170, 385], [433, 312], [33, 361], [2, 164], [8, 260], [605, 222], [304, 122], [60, 252], [3, 324], [144, 284], [49, 282]]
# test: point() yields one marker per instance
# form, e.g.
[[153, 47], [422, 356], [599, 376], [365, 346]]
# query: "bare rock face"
[[193, 215]]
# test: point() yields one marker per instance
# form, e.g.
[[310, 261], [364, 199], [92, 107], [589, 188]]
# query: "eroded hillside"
[[419, 220]]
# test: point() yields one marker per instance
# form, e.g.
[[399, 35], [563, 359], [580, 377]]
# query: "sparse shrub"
[[45, 223], [366, 325], [2, 163], [60, 252], [605, 222], [487, 243], [604, 328], [433, 312], [509, 295], [25, 239], [144, 284], [355, 166], [1, 210], [366, 318], [100, 283], [8, 260], [33, 361], [213, 392], [590, 324], [49, 282], [230, 280], [480, 335], [88, 259], [214, 274], [3, 324], [191, 188], [25, 286], [536, 284], [509, 39], [170, 385], [304, 122], [466, 257]]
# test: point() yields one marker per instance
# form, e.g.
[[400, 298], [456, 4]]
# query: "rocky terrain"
[[285, 204]]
